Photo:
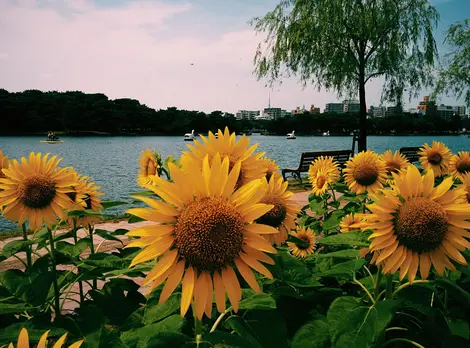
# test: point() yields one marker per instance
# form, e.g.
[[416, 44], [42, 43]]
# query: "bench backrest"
[[340, 156], [411, 153]]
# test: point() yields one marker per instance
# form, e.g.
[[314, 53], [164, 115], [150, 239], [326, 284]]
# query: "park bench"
[[411, 153], [340, 156]]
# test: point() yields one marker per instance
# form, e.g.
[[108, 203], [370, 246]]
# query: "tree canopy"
[[342, 44], [455, 76]]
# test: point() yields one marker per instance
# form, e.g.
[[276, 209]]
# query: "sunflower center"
[[393, 166], [72, 195], [151, 168], [209, 234], [87, 201], [366, 174], [421, 224], [435, 158], [37, 191], [305, 242], [463, 166], [276, 216], [321, 180]]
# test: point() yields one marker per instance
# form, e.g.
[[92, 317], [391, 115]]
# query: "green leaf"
[[110, 204], [16, 246], [103, 338], [32, 288], [133, 219], [225, 339], [459, 328], [155, 312], [353, 238], [456, 291], [139, 337], [82, 213], [136, 271], [10, 334], [143, 193], [7, 308], [342, 254], [105, 260], [259, 301], [167, 339], [331, 222], [269, 326], [314, 334], [73, 250], [354, 325], [293, 271], [107, 235], [241, 327], [344, 270], [120, 232]]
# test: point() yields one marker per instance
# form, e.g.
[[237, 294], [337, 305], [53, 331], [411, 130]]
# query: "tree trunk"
[[362, 141]]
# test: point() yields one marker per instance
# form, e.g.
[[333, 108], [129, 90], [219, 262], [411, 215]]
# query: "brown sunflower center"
[[305, 242], [87, 201], [321, 180], [276, 216], [151, 168], [463, 166], [366, 174], [269, 174], [393, 166], [37, 191], [209, 234], [72, 195], [435, 158], [421, 224]]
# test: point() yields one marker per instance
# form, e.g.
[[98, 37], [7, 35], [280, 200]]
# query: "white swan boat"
[[189, 136], [326, 134], [291, 135]]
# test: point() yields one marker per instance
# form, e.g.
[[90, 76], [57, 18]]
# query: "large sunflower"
[[36, 190], [307, 246], [435, 157], [283, 214], [23, 341], [416, 224], [202, 233], [3, 163], [226, 144], [365, 172], [271, 167], [149, 165], [323, 172], [460, 164], [350, 223], [394, 161]]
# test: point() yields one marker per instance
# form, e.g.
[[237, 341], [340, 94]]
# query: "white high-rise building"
[[247, 114]]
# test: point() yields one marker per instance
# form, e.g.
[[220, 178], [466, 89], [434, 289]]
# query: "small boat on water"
[[326, 134], [189, 136], [291, 135], [51, 141]]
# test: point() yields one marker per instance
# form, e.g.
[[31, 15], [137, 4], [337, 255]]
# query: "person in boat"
[[51, 136]]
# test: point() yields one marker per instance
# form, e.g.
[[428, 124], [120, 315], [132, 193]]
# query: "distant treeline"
[[33, 112]]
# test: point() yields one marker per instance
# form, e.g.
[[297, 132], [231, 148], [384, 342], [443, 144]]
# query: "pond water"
[[113, 161]]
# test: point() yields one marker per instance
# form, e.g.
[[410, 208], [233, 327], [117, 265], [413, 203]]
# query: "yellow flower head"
[[394, 162], [271, 167], [203, 231], [35, 190], [365, 172], [435, 157], [149, 163], [23, 341], [465, 178], [416, 224], [460, 164], [306, 248], [226, 144], [3, 163], [285, 209], [322, 173], [350, 222]]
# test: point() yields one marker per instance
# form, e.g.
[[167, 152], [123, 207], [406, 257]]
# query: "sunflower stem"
[[219, 319], [332, 193], [378, 280], [389, 289], [28, 249], [75, 240], [197, 329], [398, 339], [54, 274], [92, 251], [365, 289]]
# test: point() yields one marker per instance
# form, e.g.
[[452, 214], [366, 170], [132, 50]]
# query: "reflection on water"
[[113, 161]]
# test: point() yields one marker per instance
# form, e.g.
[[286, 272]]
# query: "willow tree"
[[340, 45], [455, 77]]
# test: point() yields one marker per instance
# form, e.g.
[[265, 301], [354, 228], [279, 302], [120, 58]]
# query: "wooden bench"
[[340, 156], [411, 153]]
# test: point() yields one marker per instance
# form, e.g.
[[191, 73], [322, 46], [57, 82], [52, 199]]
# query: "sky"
[[192, 54]]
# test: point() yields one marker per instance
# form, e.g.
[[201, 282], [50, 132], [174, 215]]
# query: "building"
[[314, 110], [298, 110], [460, 110], [275, 113], [377, 111], [423, 105], [391, 111], [351, 106], [334, 107], [247, 114], [445, 111]]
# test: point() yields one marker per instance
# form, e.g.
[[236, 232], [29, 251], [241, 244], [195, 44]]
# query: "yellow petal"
[[261, 229], [150, 215], [43, 340], [200, 296], [247, 274], [257, 266], [161, 267], [60, 342], [219, 292], [187, 290], [232, 286], [172, 282], [153, 251]]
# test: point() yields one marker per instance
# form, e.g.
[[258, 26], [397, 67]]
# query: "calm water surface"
[[113, 161]]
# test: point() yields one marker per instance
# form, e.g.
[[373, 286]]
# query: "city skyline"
[[194, 55]]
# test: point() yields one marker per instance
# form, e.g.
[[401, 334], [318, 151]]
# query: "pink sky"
[[141, 50]]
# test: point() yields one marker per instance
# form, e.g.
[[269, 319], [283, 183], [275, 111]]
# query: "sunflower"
[[306, 248], [285, 209], [460, 164], [394, 162], [35, 190], [322, 173], [23, 341], [416, 224], [435, 157], [271, 167], [202, 233], [465, 178], [365, 172], [227, 145], [3, 163], [149, 163], [350, 222]]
